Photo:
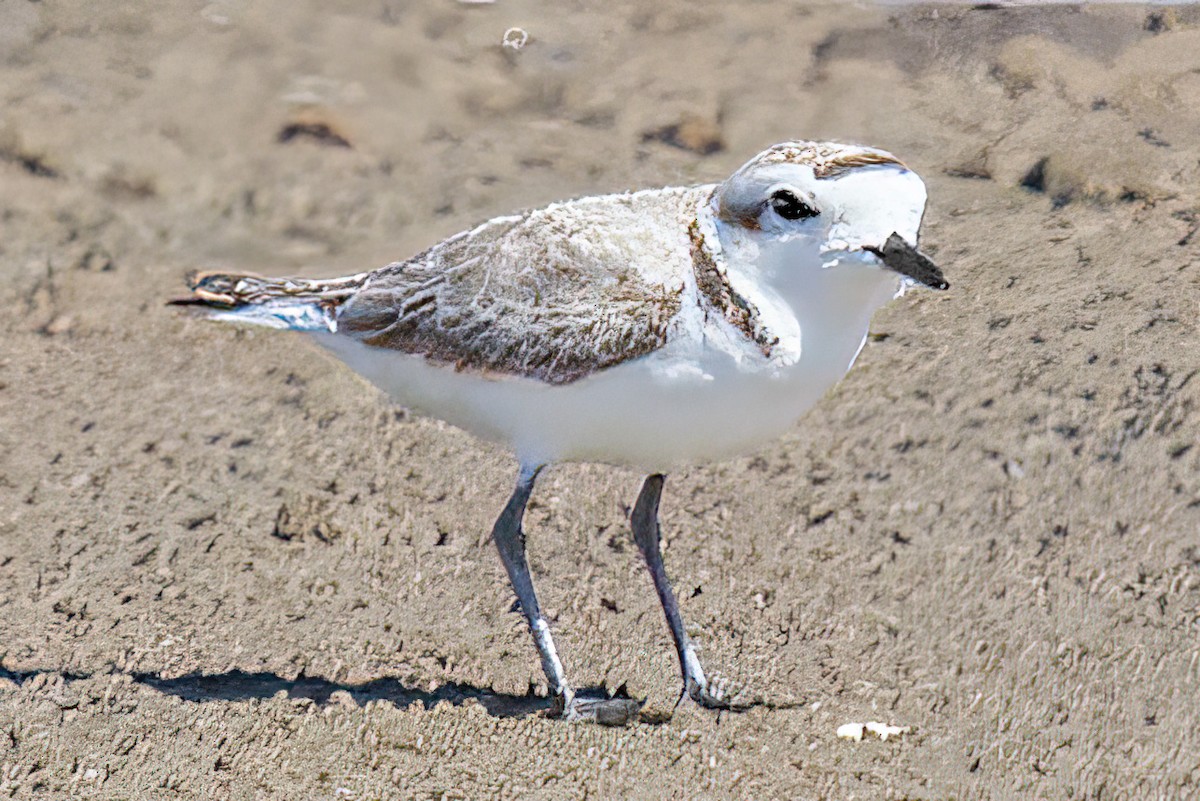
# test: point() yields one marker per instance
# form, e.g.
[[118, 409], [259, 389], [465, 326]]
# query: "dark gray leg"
[[510, 541], [646, 534]]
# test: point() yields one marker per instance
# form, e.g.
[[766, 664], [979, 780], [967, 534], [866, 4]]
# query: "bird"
[[647, 329]]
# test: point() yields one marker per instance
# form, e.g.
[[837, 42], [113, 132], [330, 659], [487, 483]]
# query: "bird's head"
[[857, 206]]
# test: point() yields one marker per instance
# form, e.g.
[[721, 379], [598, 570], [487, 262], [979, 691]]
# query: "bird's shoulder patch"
[[713, 283]]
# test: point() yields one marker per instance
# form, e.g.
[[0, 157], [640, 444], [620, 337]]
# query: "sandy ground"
[[229, 569]]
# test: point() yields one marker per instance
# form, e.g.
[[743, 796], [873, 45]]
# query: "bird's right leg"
[[510, 541], [644, 522]]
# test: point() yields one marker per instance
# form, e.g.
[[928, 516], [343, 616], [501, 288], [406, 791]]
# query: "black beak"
[[898, 255]]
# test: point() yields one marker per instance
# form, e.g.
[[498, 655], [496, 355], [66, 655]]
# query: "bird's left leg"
[[644, 522], [510, 541]]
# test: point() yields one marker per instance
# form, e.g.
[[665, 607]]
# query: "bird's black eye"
[[790, 207]]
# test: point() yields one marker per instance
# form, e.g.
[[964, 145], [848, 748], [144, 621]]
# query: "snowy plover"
[[644, 329]]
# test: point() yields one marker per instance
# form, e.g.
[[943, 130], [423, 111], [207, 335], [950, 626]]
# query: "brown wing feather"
[[543, 296], [231, 290]]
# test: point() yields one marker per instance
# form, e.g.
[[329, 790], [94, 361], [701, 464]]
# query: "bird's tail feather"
[[297, 303]]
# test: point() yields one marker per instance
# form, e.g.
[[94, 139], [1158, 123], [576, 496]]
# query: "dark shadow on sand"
[[237, 685]]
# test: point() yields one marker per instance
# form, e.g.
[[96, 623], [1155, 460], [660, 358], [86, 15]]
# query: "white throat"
[[819, 305]]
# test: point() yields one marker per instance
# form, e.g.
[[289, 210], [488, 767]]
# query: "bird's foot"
[[605, 711], [715, 693]]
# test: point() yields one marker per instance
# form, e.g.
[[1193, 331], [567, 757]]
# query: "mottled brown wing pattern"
[[517, 297]]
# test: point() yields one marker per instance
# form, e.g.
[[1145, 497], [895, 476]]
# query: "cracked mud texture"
[[229, 569]]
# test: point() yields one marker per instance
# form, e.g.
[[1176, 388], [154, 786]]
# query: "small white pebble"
[[854, 731], [850, 731], [884, 731], [90, 774], [515, 38]]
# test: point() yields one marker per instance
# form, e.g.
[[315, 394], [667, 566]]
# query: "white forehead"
[[868, 204]]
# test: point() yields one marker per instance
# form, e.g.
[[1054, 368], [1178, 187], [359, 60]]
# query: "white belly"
[[653, 413], [630, 414]]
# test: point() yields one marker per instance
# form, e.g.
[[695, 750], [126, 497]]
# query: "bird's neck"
[[833, 306], [819, 310]]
